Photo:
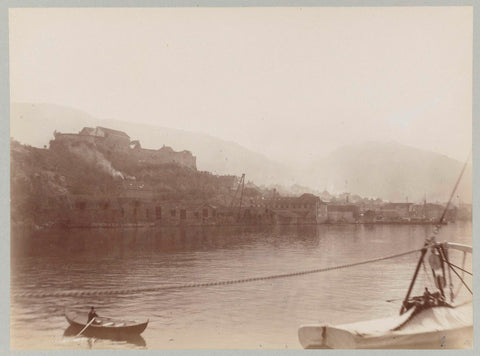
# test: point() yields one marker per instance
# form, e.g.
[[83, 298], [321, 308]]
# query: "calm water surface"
[[262, 314]]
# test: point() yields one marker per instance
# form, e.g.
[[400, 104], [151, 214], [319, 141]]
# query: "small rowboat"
[[103, 326]]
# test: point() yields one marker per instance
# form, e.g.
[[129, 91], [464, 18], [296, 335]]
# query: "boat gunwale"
[[137, 327], [456, 246]]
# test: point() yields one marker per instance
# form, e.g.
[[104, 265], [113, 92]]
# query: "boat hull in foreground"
[[104, 327], [433, 328]]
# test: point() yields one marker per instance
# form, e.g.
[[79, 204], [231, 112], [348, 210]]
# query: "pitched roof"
[[87, 131], [308, 196], [113, 132]]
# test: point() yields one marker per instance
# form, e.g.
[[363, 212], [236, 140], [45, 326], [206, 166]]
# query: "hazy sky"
[[288, 82]]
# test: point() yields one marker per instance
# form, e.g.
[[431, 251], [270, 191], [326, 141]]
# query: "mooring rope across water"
[[99, 292]]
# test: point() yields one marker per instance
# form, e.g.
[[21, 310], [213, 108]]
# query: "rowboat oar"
[[86, 326]]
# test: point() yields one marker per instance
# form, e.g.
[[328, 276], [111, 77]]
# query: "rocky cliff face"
[[47, 183]]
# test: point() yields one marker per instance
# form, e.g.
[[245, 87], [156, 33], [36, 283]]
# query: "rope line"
[[461, 279], [75, 293], [461, 269]]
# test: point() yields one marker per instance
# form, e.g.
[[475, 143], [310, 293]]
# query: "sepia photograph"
[[241, 178]]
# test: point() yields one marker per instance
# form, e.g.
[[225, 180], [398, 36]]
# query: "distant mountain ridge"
[[390, 171]]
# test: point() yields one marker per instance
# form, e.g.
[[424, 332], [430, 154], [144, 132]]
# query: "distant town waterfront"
[[101, 178], [262, 314], [307, 209]]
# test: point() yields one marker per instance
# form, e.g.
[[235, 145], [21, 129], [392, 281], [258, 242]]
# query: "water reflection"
[[134, 340]]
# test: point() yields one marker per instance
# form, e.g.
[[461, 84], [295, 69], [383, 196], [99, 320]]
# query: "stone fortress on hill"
[[119, 141]]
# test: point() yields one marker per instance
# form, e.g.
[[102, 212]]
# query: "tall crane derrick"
[[240, 187]]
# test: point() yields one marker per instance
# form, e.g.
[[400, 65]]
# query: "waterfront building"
[[395, 212], [305, 209], [342, 213]]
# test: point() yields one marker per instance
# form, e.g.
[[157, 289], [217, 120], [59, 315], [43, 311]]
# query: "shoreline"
[[154, 225]]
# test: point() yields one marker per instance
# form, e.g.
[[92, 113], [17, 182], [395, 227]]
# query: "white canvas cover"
[[438, 327]]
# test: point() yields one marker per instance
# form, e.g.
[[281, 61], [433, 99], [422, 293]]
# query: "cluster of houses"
[[135, 206], [309, 208]]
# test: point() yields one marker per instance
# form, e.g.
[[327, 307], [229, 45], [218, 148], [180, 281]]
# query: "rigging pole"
[[431, 240], [240, 187], [242, 181]]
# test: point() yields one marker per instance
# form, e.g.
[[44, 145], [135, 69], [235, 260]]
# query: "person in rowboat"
[[92, 314]]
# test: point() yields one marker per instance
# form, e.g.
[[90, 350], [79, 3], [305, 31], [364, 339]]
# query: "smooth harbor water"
[[256, 315]]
